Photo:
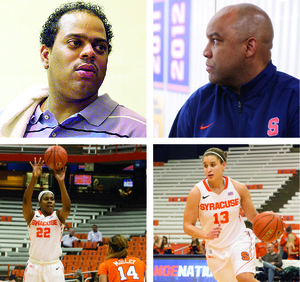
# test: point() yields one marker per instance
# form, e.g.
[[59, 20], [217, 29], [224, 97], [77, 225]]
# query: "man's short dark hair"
[[51, 26], [288, 229]]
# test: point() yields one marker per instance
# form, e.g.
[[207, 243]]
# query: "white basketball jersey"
[[221, 209], [45, 237]]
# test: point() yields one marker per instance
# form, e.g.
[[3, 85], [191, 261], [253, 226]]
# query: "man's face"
[[270, 248], [95, 228], [78, 59], [224, 50]]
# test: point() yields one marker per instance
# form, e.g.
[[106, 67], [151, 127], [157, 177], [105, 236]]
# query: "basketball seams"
[[268, 226], [56, 157], [48, 155]]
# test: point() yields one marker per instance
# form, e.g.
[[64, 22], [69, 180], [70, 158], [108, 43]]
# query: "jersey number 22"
[[43, 232]]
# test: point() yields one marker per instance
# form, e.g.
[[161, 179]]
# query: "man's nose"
[[88, 52], [207, 52]]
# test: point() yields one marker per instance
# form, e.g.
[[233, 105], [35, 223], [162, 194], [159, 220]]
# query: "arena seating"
[[263, 168], [14, 237], [291, 214], [89, 260]]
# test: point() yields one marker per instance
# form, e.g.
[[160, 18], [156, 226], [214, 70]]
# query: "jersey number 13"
[[222, 218]]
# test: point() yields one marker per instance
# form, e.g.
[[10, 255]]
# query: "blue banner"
[[158, 43], [183, 268], [179, 45]]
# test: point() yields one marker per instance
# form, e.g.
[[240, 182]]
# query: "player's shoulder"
[[195, 191], [194, 195], [238, 185], [136, 260]]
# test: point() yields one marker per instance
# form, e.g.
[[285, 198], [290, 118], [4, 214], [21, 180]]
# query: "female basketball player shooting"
[[45, 229], [216, 201], [118, 266]]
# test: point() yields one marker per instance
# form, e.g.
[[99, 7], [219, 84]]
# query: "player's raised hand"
[[214, 232], [37, 167], [60, 173]]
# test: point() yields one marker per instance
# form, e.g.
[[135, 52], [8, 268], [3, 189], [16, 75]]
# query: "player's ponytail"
[[117, 247]]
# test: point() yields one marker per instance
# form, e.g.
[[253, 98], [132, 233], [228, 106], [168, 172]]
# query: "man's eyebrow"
[[83, 36], [214, 34]]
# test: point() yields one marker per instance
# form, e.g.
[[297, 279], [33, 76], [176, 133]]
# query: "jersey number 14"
[[130, 272]]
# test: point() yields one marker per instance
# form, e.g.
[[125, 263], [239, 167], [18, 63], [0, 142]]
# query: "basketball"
[[56, 157], [268, 226]]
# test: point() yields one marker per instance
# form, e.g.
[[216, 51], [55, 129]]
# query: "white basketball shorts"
[[44, 273], [226, 263]]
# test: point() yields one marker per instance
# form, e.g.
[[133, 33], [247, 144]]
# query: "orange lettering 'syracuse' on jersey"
[[219, 205], [43, 223]]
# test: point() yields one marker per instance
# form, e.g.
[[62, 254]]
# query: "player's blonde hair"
[[291, 240], [117, 247], [220, 154]]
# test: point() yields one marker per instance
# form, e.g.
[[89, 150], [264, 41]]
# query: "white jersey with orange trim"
[[221, 209], [45, 234]]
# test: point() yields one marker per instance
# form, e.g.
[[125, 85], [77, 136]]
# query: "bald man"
[[246, 96], [272, 262]]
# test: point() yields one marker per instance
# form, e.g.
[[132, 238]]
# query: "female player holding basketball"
[[118, 266], [45, 229], [216, 201]]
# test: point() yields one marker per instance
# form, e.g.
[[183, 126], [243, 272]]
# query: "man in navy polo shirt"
[[246, 96]]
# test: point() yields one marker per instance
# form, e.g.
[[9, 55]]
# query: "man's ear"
[[45, 52], [251, 45]]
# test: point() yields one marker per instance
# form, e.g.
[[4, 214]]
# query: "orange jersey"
[[283, 239], [261, 249], [128, 269], [292, 256]]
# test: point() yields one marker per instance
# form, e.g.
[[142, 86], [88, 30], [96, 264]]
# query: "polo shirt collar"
[[95, 113], [98, 111]]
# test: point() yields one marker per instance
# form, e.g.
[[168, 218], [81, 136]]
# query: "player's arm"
[[246, 202], [102, 278], [190, 217], [145, 276], [28, 213], [64, 212]]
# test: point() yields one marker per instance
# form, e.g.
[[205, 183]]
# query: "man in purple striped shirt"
[[76, 42]]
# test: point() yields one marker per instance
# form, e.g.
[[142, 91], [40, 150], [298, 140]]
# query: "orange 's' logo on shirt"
[[219, 205]]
